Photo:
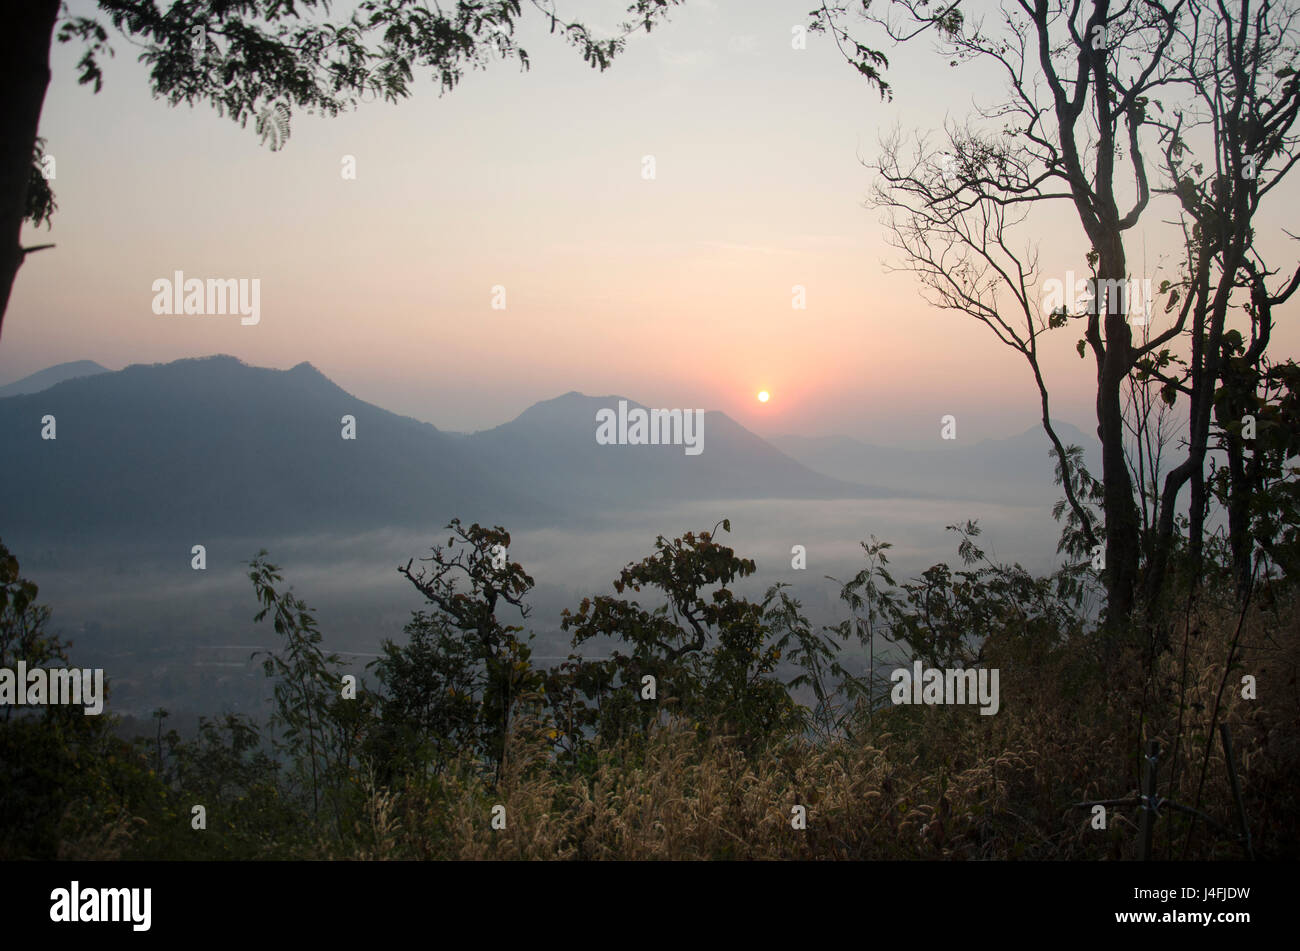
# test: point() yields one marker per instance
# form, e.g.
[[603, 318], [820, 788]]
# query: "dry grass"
[[914, 783]]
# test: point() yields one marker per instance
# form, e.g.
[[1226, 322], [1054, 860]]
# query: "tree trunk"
[[1240, 489], [1123, 536], [26, 32]]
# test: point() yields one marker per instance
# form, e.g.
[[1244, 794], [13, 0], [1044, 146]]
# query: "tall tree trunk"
[[1123, 535], [1122, 532], [26, 32]]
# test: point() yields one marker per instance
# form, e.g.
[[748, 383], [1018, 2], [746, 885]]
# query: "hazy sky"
[[675, 292]]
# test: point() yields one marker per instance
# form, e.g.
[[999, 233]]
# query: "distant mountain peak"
[[574, 396], [562, 410], [51, 376]]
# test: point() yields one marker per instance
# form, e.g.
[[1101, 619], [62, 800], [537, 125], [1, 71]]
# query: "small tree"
[[307, 690], [469, 577], [870, 599], [54, 760], [431, 699], [713, 655]]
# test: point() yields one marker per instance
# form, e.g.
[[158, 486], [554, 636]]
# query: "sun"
[[764, 396]]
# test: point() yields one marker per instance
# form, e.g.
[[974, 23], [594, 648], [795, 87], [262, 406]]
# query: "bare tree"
[[1238, 64], [957, 239], [1082, 127]]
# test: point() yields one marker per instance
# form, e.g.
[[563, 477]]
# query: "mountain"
[[211, 447], [44, 379], [1017, 470], [552, 445]]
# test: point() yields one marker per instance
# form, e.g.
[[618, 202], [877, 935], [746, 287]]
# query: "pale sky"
[[674, 292]]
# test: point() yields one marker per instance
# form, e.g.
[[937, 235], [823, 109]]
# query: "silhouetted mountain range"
[[211, 447]]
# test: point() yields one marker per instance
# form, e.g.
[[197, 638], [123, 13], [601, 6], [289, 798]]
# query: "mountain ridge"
[[210, 446]]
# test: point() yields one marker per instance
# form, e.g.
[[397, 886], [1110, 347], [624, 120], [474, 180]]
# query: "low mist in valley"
[[173, 637]]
